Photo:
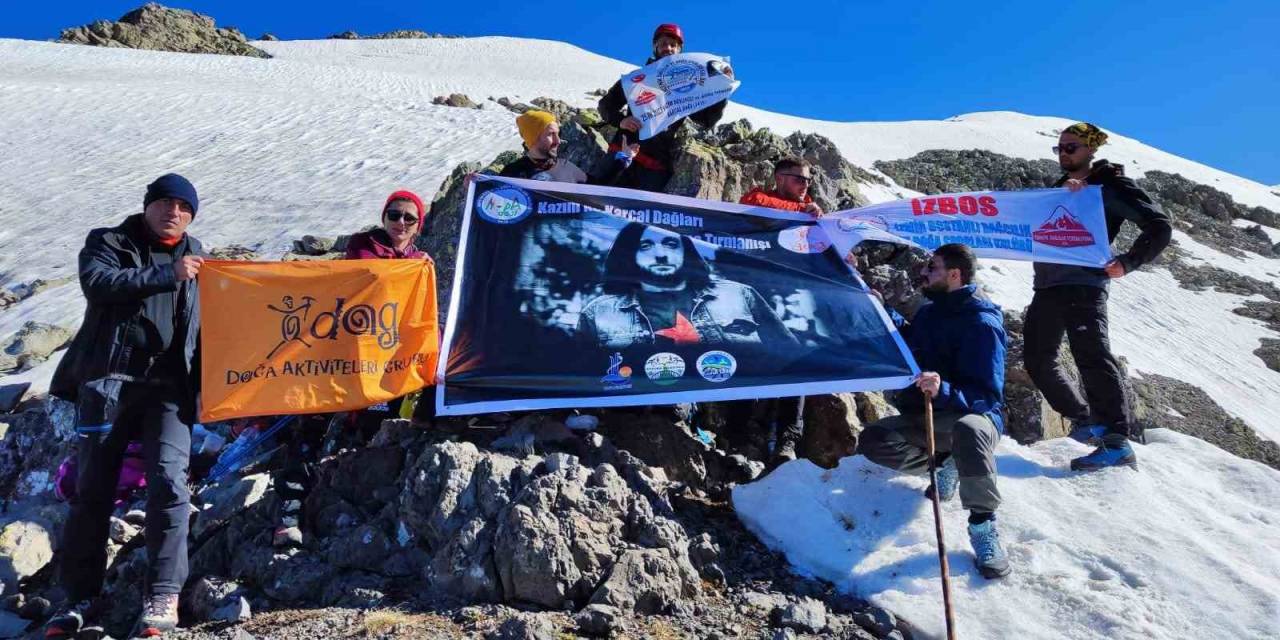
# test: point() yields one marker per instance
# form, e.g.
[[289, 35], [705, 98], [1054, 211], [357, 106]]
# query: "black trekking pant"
[[164, 428], [1079, 312]]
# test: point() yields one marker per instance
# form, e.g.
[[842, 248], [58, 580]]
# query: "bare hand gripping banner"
[[579, 296], [314, 337]]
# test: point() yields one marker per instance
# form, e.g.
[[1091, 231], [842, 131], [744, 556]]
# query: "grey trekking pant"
[[900, 442]]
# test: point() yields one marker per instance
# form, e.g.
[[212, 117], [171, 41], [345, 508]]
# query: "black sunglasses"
[[797, 176], [395, 216], [1068, 148]]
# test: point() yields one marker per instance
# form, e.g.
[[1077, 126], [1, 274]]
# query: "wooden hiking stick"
[[937, 519]]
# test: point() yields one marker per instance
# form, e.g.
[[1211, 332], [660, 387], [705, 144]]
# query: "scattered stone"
[[160, 28], [455, 100], [31, 345], [598, 620], [526, 626], [27, 546], [806, 615], [225, 500], [311, 245], [876, 620], [233, 252], [122, 532]]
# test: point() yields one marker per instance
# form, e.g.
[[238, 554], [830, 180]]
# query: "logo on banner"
[[716, 366], [504, 205], [618, 377], [637, 78], [1063, 229], [664, 368], [862, 223], [681, 77], [645, 98], [360, 319], [803, 240]]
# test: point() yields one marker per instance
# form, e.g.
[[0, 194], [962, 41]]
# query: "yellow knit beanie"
[[531, 125], [1089, 133]]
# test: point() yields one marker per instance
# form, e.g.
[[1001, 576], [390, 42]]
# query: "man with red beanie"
[[133, 373], [651, 168]]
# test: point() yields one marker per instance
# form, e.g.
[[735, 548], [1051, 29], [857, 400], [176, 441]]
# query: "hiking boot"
[[1085, 433], [1112, 451], [159, 616], [988, 554], [948, 481], [68, 622], [785, 453]]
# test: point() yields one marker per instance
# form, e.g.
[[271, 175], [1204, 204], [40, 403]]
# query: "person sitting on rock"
[[651, 168], [541, 160], [133, 373], [403, 217], [959, 341], [791, 180], [1075, 298]]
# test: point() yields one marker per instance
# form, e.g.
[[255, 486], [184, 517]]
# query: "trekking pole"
[[937, 519]]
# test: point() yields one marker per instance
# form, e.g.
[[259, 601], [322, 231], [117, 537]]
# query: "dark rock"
[[268, 37], [345, 35], [647, 581], [876, 620], [223, 501], [1185, 408], [526, 626], [831, 428], [598, 620], [947, 171], [160, 28], [36, 608], [11, 395], [357, 590], [1269, 353], [235, 252], [364, 547]]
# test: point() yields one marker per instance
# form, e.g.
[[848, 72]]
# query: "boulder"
[[455, 100], [26, 546], [647, 581], [805, 615], [223, 501], [160, 28], [831, 427], [31, 345]]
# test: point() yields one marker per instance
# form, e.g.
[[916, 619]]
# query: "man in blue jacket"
[[959, 342]]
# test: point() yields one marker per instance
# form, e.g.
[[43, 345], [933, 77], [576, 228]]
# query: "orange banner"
[[314, 336]]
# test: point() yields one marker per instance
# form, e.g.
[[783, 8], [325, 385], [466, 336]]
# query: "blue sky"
[[1198, 79]]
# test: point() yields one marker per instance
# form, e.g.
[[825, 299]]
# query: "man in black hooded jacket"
[[651, 168], [1072, 300], [133, 373]]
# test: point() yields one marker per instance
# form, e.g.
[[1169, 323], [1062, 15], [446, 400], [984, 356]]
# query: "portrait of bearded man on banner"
[[658, 290]]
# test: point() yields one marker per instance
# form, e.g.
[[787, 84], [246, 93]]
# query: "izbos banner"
[[676, 86], [314, 337], [1039, 225], [579, 296]]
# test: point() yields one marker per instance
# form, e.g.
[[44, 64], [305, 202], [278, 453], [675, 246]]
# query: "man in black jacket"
[[651, 167], [133, 373], [1073, 301], [541, 160]]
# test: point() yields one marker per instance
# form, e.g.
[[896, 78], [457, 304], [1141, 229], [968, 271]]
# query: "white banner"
[[1037, 225], [676, 86]]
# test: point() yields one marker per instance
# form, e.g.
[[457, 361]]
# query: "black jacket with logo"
[[140, 324], [1122, 199]]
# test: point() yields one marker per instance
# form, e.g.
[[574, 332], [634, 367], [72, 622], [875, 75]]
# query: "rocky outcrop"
[[159, 28], [397, 34], [945, 171], [31, 345], [1185, 408], [1205, 213], [455, 100]]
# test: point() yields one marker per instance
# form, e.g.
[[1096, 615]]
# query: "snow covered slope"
[[1185, 548]]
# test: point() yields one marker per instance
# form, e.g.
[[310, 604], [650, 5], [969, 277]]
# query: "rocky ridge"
[[159, 28]]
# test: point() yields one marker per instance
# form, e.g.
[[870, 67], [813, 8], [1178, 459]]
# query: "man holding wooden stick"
[[958, 339]]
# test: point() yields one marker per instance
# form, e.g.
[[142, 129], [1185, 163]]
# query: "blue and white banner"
[[580, 296], [1038, 225], [676, 86]]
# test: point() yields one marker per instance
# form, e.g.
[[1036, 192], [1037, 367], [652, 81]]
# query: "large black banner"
[[578, 296]]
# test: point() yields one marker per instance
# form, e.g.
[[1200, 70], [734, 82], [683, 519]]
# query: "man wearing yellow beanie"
[[541, 161]]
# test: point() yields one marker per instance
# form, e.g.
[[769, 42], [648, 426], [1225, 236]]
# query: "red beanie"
[[405, 194]]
